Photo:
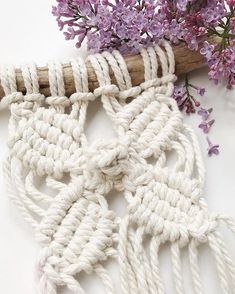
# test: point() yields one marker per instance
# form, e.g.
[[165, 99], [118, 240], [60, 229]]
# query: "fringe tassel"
[[154, 259], [107, 282], [228, 261], [142, 262], [125, 250], [176, 267], [141, 274], [194, 266], [219, 262]]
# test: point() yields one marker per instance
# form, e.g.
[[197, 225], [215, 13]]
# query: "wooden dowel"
[[186, 61]]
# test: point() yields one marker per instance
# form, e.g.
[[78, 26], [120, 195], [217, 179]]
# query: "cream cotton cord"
[[72, 219]]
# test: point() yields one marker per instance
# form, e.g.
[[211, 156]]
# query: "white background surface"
[[29, 32]]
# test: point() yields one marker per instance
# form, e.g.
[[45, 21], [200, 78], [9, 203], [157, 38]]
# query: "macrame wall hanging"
[[76, 228]]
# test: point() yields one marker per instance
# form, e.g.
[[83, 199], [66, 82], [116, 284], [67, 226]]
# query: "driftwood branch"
[[186, 61]]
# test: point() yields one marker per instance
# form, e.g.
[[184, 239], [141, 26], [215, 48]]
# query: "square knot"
[[15, 97], [58, 101], [38, 98], [157, 82], [76, 97], [108, 90], [109, 157]]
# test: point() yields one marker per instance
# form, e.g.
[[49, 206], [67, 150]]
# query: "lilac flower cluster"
[[127, 25], [221, 58], [205, 125], [189, 20], [122, 24], [184, 98], [221, 62], [187, 101]]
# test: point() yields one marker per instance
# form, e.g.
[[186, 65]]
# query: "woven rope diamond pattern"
[[71, 217]]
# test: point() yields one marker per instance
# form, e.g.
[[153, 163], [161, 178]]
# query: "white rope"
[[193, 259], [154, 252], [176, 267], [220, 263], [72, 219]]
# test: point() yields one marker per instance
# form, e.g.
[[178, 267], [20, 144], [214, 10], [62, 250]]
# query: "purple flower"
[[213, 12], [184, 98], [179, 92], [222, 65], [207, 50], [140, 21], [205, 126], [182, 4], [156, 29], [232, 24], [172, 30], [200, 91], [212, 149], [205, 113], [192, 43], [231, 3]]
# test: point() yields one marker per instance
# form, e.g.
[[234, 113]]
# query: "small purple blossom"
[[200, 91], [231, 3], [184, 98], [232, 24], [182, 4], [179, 92], [222, 65], [205, 126], [212, 149], [207, 50], [214, 12], [205, 113]]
